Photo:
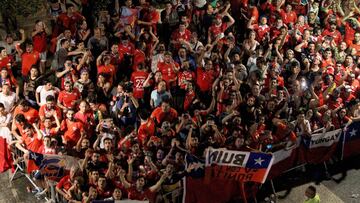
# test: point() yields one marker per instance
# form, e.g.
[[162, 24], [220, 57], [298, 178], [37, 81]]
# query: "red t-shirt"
[[68, 98], [261, 31], [146, 130], [168, 71], [215, 30], [336, 35], [33, 143], [176, 35], [184, 76], [64, 183], [138, 78], [108, 69], [126, 49], [161, 116], [31, 115], [28, 60], [205, 79], [44, 110], [189, 98], [134, 194], [288, 17], [72, 131], [139, 57], [39, 41]]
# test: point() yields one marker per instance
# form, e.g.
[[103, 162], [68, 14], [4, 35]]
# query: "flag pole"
[[243, 194]]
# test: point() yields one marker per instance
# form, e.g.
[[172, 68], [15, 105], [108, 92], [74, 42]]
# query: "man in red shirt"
[[32, 140], [125, 48], [70, 19], [105, 67], [31, 114], [139, 55], [69, 97], [261, 29], [164, 113], [289, 16], [205, 76], [72, 129], [28, 59], [179, 35], [147, 127], [168, 69], [40, 44], [47, 110], [333, 33], [356, 44], [138, 78], [219, 27]]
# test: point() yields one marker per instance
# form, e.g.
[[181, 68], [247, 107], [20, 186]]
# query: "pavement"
[[342, 185], [15, 191]]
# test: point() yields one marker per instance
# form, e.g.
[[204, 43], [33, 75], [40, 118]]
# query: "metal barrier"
[[19, 163]]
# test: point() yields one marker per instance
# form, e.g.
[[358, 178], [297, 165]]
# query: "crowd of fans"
[[131, 88]]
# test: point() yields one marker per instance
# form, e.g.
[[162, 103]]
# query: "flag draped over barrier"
[[50, 165], [196, 189], [351, 140], [237, 165], [320, 147]]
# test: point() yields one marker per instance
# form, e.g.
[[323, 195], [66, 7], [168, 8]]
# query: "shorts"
[[43, 56]]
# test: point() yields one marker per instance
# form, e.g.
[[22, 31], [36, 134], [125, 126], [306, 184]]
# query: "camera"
[[128, 87]]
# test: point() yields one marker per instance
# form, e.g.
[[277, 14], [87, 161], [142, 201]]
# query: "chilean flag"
[[197, 190], [351, 140], [320, 147]]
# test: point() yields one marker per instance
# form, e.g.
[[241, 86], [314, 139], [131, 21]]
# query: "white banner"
[[226, 157], [324, 139]]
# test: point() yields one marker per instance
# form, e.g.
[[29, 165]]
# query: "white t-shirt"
[[44, 93], [8, 100]]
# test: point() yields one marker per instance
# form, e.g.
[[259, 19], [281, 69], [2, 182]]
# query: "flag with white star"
[[50, 165], [351, 140]]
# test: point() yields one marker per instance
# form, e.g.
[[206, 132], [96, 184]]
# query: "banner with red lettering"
[[226, 164], [320, 147]]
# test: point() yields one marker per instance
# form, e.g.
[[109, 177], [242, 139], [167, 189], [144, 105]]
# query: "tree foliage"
[[11, 9]]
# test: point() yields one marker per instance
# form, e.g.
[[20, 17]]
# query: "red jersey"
[[189, 98], [261, 31], [168, 70], [70, 22], [134, 194], [68, 99], [205, 79], [44, 111], [4, 61], [215, 30], [39, 41], [176, 35], [185, 76], [31, 115], [146, 130], [128, 49], [288, 18], [33, 143], [138, 78], [108, 69], [336, 35], [72, 131], [161, 116], [139, 57], [28, 60]]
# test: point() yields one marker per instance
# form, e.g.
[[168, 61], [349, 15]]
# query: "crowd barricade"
[[318, 148], [20, 170]]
